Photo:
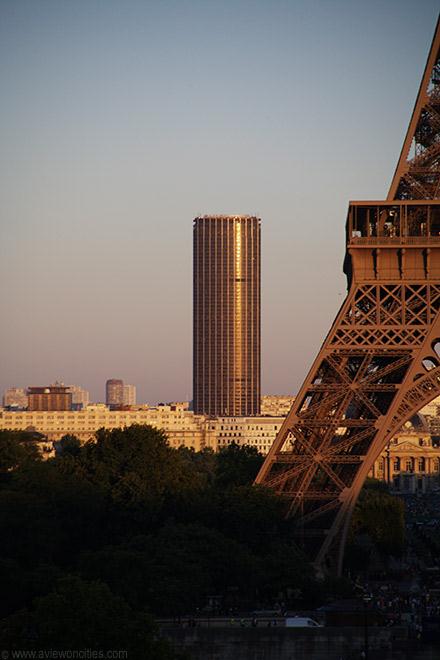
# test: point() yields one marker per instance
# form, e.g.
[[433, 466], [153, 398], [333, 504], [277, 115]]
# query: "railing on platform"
[[394, 240]]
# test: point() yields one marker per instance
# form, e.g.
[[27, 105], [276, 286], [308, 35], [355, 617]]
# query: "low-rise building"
[[259, 432], [182, 427], [411, 461], [276, 405], [432, 408]]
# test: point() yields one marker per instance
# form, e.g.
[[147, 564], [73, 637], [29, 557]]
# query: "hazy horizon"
[[122, 121]]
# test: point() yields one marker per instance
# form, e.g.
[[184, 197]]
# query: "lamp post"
[[387, 464], [366, 598]]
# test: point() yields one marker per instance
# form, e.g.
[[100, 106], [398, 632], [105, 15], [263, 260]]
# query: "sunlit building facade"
[[182, 427], [258, 432], [226, 352], [80, 397], [276, 404], [15, 397], [53, 397], [129, 395], [410, 462]]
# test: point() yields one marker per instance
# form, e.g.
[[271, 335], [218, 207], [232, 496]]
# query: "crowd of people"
[[414, 595]]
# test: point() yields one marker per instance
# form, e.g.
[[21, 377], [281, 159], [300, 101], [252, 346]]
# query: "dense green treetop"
[[125, 528]]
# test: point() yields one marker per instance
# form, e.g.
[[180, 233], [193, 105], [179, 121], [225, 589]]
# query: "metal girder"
[[380, 362], [410, 188]]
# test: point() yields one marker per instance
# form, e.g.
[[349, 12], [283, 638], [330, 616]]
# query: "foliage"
[[16, 449], [377, 525], [237, 465], [375, 485], [127, 525], [79, 614], [136, 468], [69, 444]]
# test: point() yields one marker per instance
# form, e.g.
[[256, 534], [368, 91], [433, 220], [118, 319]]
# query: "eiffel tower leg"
[[380, 362], [420, 386], [377, 367]]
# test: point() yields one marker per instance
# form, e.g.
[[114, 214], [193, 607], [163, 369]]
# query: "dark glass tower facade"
[[226, 369]]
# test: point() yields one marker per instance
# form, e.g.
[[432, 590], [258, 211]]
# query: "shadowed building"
[[226, 356], [114, 392]]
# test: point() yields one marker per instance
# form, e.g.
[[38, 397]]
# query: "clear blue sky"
[[122, 120]]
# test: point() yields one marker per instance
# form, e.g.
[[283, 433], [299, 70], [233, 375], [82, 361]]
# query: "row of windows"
[[409, 464], [240, 434], [248, 428]]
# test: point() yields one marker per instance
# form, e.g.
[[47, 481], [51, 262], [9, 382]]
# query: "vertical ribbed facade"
[[226, 354]]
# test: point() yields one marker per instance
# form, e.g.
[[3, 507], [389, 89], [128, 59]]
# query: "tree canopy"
[[127, 528]]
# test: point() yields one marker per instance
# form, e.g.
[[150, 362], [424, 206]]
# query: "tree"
[[136, 467], [69, 444], [377, 522], [79, 614], [48, 513], [160, 529], [249, 514], [237, 465], [16, 449]]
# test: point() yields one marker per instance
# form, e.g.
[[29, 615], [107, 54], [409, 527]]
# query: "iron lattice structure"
[[380, 362]]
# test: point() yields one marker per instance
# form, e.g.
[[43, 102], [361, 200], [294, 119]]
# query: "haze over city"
[[121, 122]]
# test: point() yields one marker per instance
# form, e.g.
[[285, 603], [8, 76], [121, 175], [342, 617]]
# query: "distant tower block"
[[227, 315], [15, 397], [380, 362], [129, 395], [114, 392], [53, 397], [80, 397]]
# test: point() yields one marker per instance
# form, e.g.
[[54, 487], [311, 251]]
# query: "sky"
[[122, 120]]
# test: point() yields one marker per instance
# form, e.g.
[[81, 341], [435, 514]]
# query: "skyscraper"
[[114, 392], [226, 355]]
